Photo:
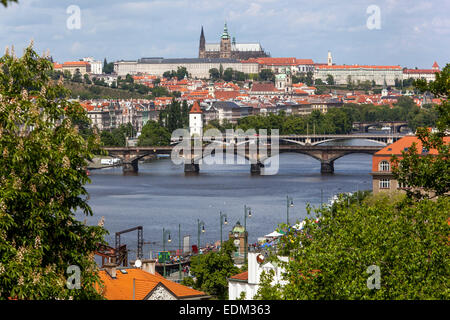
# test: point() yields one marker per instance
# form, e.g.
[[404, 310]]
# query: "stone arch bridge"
[[309, 145]]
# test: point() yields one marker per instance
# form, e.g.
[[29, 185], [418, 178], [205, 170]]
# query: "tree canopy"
[[211, 270], [334, 259], [42, 184]]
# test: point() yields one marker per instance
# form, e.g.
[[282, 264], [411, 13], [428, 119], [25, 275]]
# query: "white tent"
[[273, 234]]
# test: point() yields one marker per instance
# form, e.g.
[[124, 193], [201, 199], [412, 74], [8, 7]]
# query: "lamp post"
[[247, 211], [289, 203], [165, 233], [223, 220], [200, 224], [179, 251]]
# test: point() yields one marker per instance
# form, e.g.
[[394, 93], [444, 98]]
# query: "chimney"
[[110, 268], [149, 265], [253, 267]]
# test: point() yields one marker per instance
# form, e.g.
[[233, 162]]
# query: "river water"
[[161, 196]]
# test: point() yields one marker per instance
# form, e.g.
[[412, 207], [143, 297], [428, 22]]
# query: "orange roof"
[[279, 61], [196, 108], [414, 71], [76, 63], [241, 276], [357, 66], [404, 143], [121, 288], [226, 94]]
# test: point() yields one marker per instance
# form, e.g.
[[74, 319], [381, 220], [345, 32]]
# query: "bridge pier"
[[255, 168], [326, 166], [130, 168]]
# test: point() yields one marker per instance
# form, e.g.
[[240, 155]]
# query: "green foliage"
[[407, 240], [266, 75], [330, 79], [42, 184], [108, 68], [117, 137], [174, 116], [6, 2], [334, 121], [424, 174], [179, 74], [154, 135], [211, 270]]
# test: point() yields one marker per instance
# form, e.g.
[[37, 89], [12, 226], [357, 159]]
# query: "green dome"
[[238, 228], [225, 34]]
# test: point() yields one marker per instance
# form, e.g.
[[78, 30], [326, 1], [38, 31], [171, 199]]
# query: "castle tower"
[[202, 46], [330, 59], [196, 120], [225, 44]]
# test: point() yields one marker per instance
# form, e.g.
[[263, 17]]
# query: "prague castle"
[[229, 49]]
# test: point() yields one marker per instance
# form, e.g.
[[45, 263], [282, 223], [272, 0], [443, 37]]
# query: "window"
[[385, 184], [384, 166]]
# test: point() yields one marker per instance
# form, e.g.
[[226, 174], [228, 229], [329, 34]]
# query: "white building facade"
[[249, 287], [196, 67], [343, 73]]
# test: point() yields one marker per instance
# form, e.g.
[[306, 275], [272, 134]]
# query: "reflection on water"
[[161, 196]]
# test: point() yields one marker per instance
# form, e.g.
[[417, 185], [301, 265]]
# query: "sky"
[[409, 33]]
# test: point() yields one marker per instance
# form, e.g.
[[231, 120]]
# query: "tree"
[[266, 75], [309, 78], [108, 68], [425, 174], [228, 74], [154, 135], [214, 74], [77, 76], [86, 79], [43, 177], [5, 2], [335, 253], [181, 73], [211, 270], [330, 79]]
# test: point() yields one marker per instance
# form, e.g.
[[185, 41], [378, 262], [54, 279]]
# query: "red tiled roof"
[[121, 288], [241, 276], [357, 67], [76, 63], [196, 108], [415, 71], [226, 94], [263, 87], [406, 142]]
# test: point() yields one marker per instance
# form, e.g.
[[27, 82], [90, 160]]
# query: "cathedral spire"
[[202, 46]]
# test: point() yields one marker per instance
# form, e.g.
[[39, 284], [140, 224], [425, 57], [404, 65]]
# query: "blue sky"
[[413, 33]]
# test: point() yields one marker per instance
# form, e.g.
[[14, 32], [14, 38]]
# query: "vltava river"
[[161, 196]]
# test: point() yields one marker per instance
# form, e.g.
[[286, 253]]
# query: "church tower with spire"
[[225, 43], [202, 46]]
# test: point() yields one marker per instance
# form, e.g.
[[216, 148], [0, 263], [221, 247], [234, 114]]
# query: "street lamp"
[[223, 220], [289, 203], [247, 212], [200, 224], [165, 233]]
